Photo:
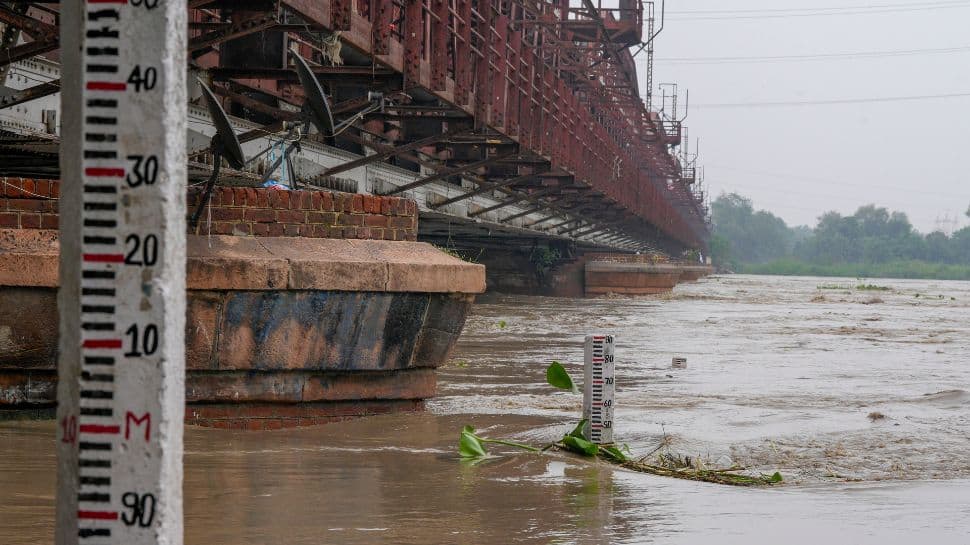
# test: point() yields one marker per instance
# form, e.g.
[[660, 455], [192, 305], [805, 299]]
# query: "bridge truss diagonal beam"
[[485, 187], [445, 173]]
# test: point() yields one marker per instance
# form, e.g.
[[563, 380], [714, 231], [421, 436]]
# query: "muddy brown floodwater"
[[860, 398]]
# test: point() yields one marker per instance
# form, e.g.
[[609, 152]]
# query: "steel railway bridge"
[[508, 121]]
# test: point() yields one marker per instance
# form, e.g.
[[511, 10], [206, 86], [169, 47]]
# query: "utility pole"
[[121, 385]]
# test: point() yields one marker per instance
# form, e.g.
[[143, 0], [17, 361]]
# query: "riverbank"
[[892, 269]]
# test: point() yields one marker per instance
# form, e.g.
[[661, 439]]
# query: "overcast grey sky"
[[800, 161]]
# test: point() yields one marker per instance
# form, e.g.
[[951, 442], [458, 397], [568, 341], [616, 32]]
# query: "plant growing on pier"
[[543, 259], [471, 446]]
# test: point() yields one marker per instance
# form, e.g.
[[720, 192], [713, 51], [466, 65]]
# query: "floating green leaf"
[[775, 478], [502, 324], [580, 445], [557, 376], [469, 445]]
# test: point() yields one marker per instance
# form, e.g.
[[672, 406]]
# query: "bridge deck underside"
[[527, 110]]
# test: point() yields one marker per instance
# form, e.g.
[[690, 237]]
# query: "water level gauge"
[[122, 300], [599, 389]]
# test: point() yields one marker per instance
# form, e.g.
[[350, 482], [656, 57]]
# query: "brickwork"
[[313, 214], [28, 204], [243, 211]]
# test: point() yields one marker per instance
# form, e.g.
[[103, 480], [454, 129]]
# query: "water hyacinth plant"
[[471, 446]]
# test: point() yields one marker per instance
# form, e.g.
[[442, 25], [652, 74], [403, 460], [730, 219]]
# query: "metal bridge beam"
[[392, 151], [444, 173], [486, 187]]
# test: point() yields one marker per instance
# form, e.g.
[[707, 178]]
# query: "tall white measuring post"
[[122, 300], [599, 389]]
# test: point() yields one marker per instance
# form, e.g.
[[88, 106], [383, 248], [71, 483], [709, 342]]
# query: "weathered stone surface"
[[266, 346], [28, 328], [38, 387], [319, 330], [405, 384], [421, 269], [203, 311], [340, 265], [233, 263], [629, 278], [333, 328], [29, 257]]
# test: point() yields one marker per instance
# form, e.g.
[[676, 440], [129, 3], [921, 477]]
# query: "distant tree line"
[[871, 242]]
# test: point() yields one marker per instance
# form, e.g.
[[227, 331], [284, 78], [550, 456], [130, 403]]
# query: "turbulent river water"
[[860, 398]]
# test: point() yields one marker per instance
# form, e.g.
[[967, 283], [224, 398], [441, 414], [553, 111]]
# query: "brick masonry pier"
[[303, 306]]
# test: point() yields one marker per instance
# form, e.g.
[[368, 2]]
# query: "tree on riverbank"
[[871, 242]]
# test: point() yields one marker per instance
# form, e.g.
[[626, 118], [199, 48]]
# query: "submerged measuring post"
[[121, 383], [599, 389]]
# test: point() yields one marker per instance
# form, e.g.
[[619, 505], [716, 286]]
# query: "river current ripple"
[[860, 398]]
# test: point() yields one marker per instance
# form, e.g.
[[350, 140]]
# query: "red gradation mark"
[[107, 1], [598, 337], [95, 428], [106, 86], [595, 427], [597, 382], [108, 172], [98, 515], [102, 343], [104, 258]]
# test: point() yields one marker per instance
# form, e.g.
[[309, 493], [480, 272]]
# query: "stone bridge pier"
[[303, 306], [558, 267]]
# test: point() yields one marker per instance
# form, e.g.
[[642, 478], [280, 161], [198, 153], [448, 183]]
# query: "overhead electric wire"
[[814, 57], [861, 10], [831, 102], [816, 8]]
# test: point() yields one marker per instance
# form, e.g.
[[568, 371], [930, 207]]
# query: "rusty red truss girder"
[[557, 80]]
